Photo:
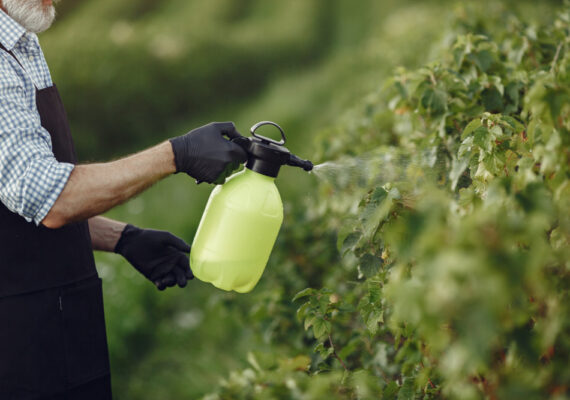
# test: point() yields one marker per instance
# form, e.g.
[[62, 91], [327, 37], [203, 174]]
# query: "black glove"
[[205, 155], [158, 255]]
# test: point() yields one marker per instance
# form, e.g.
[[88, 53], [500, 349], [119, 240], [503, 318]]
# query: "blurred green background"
[[133, 73]]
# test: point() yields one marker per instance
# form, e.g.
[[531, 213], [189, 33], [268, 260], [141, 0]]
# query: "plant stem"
[[336, 355], [428, 378], [555, 59]]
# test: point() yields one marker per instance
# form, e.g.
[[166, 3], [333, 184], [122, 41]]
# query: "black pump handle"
[[266, 139]]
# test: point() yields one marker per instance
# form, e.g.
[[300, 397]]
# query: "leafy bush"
[[452, 274]]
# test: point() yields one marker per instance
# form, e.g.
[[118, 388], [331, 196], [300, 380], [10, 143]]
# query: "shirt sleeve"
[[31, 179]]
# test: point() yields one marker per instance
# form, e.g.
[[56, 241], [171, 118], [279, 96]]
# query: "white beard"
[[31, 14]]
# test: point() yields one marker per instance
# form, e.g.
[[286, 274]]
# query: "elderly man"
[[52, 331]]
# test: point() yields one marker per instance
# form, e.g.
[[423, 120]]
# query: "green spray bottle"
[[242, 217]]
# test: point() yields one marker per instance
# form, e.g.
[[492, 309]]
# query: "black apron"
[[52, 327]]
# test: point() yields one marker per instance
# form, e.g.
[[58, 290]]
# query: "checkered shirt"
[[31, 179]]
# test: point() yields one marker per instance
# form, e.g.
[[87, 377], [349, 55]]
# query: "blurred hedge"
[[131, 72]]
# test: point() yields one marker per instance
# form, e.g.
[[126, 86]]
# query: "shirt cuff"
[[54, 181]]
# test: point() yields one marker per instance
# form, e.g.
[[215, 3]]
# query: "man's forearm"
[[105, 233], [93, 189]]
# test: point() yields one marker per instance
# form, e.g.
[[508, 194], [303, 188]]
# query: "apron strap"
[[12, 54]]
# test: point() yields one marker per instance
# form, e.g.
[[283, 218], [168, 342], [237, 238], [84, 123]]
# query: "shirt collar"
[[10, 31]]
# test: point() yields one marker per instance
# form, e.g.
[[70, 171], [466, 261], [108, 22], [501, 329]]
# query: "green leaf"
[[513, 123], [348, 225], [407, 391], [556, 99], [493, 164], [377, 208], [378, 195], [483, 59], [374, 317], [370, 265], [492, 100], [513, 91], [458, 166], [304, 293], [324, 301], [465, 148], [349, 242], [390, 391], [324, 352], [321, 327], [374, 291], [309, 322], [481, 138], [434, 101], [496, 131], [370, 307], [302, 310], [471, 126]]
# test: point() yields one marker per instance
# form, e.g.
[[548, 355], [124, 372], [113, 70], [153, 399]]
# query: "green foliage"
[[453, 273]]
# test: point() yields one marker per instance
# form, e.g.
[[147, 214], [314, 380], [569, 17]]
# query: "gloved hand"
[[160, 256], [206, 155]]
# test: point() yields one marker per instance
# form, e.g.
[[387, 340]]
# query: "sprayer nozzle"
[[307, 165], [295, 161]]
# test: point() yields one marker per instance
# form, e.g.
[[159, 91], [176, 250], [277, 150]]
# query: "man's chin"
[[46, 23], [34, 18]]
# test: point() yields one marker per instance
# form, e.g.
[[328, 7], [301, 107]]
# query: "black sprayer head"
[[265, 155]]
